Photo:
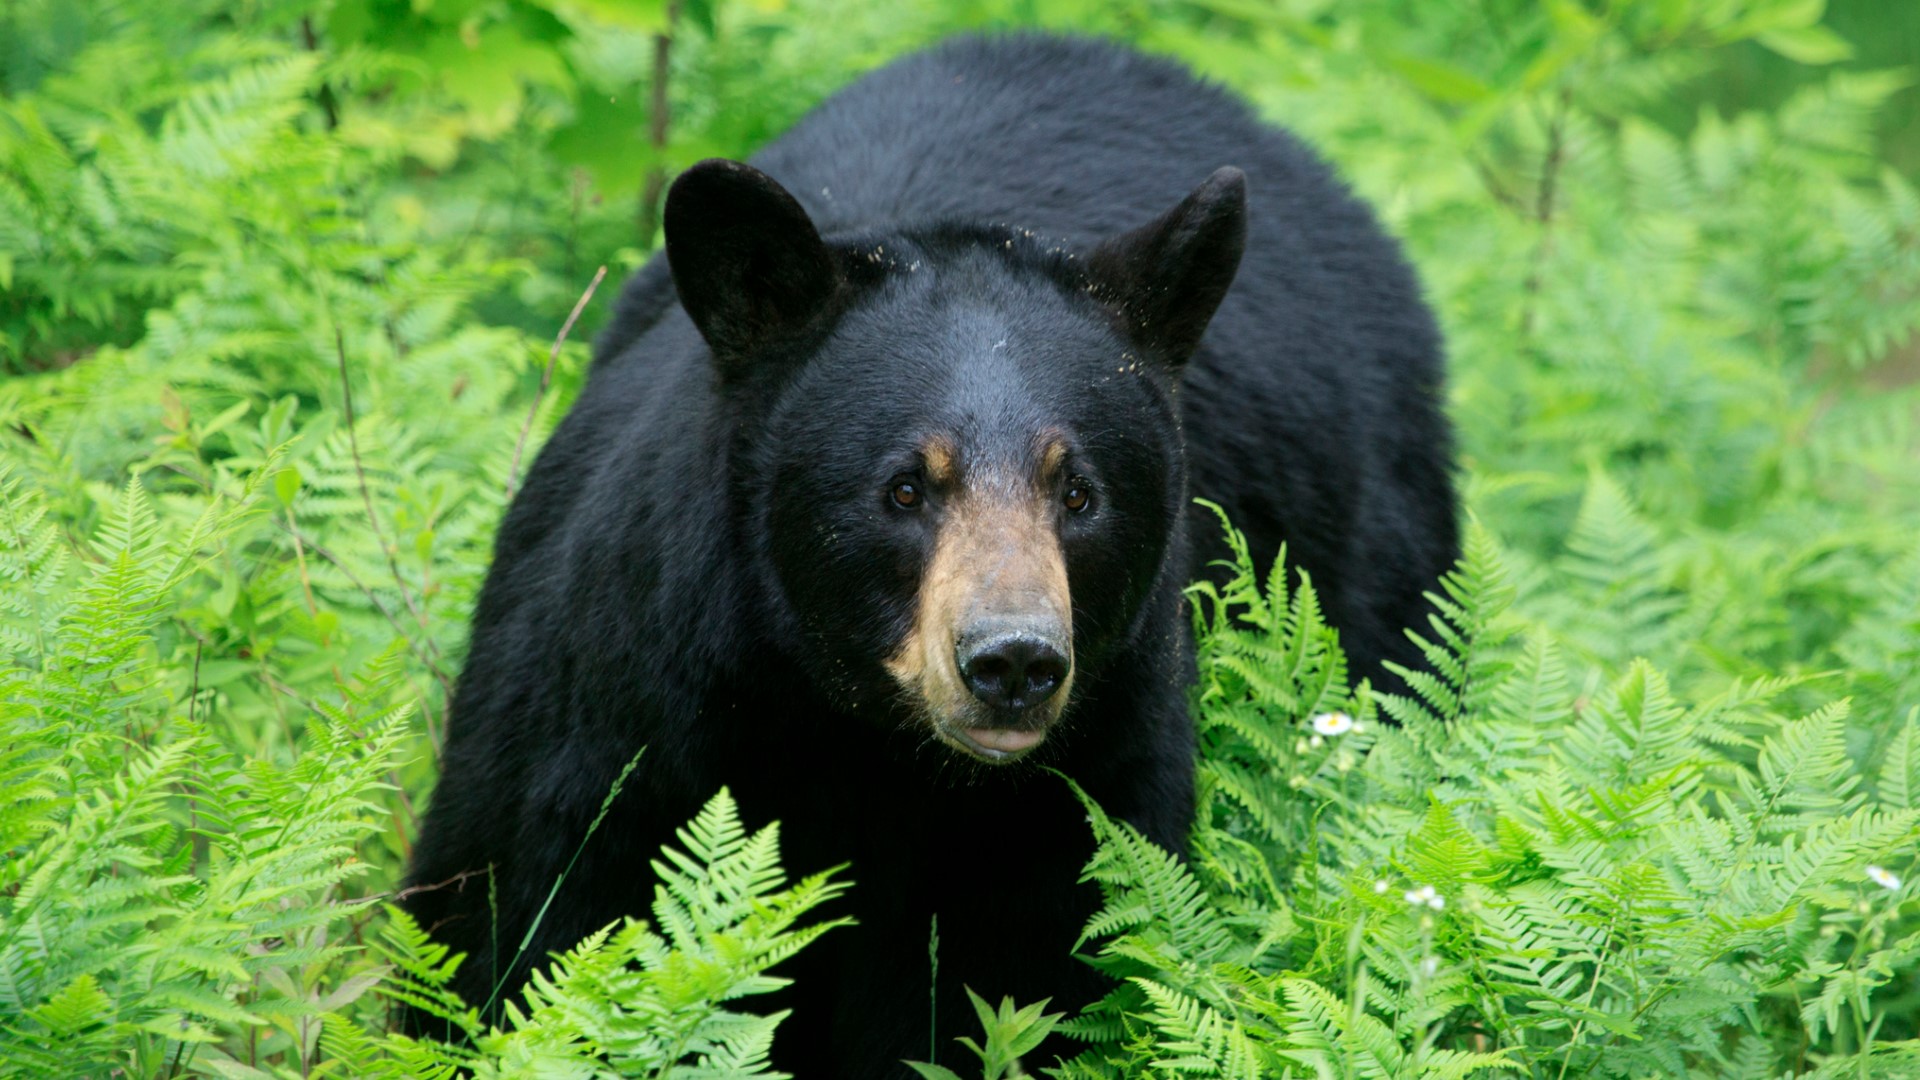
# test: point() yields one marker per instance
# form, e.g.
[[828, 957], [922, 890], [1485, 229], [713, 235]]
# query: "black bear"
[[879, 498]]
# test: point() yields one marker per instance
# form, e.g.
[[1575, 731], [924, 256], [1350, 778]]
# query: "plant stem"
[[328, 103], [546, 378], [1544, 206], [657, 126], [366, 498]]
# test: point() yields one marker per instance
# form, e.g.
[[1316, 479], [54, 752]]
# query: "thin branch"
[[546, 378], [426, 714], [386, 612], [657, 125], [1544, 207], [306, 582], [414, 890], [366, 497], [193, 697], [1556, 157], [1497, 187], [328, 103]]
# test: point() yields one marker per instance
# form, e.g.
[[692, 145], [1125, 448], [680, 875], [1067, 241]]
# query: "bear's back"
[[1070, 137]]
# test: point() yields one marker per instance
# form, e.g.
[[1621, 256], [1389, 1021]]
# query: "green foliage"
[[279, 291], [168, 905], [1512, 882], [630, 1000], [1012, 1032], [160, 889]]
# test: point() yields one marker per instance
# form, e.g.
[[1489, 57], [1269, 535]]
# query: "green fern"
[[1621, 893], [1679, 328], [628, 1000]]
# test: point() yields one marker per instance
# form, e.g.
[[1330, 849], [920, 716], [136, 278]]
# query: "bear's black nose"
[[1012, 671]]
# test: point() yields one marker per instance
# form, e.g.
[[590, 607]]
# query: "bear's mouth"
[[998, 745]]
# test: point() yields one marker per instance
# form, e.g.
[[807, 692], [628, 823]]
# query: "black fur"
[[701, 561]]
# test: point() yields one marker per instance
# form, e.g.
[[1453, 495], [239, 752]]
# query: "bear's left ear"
[[1166, 278], [747, 262]]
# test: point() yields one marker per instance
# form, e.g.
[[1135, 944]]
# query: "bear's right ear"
[[1166, 278], [747, 262]]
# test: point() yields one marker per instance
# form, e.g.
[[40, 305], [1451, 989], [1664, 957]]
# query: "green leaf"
[[286, 485], [80, 1004], [645, 15], [1808, 45], [1440, 81], [607, 137], [488, 73]]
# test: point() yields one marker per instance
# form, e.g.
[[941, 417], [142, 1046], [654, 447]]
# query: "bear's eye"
[[906, 494], [1077, 497]]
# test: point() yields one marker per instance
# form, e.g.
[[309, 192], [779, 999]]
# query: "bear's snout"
[[1011, 671], [988, 659]]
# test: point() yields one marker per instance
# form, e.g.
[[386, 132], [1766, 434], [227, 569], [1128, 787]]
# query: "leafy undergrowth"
[[1514, 878], [1511, 879]]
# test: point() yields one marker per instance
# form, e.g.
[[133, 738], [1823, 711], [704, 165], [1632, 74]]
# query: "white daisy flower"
[[1883, 877], [1332, 723]]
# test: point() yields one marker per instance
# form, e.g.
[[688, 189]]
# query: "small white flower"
[[1316, 742], [1332, 723], [1380, 887], [1883, 877], [1425, 896], [1430, 966], [1436, 902]]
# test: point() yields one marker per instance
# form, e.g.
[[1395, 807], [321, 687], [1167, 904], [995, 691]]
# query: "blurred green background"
[[1880, 35]]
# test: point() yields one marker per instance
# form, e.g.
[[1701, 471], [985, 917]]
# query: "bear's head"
[[956, 448]]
